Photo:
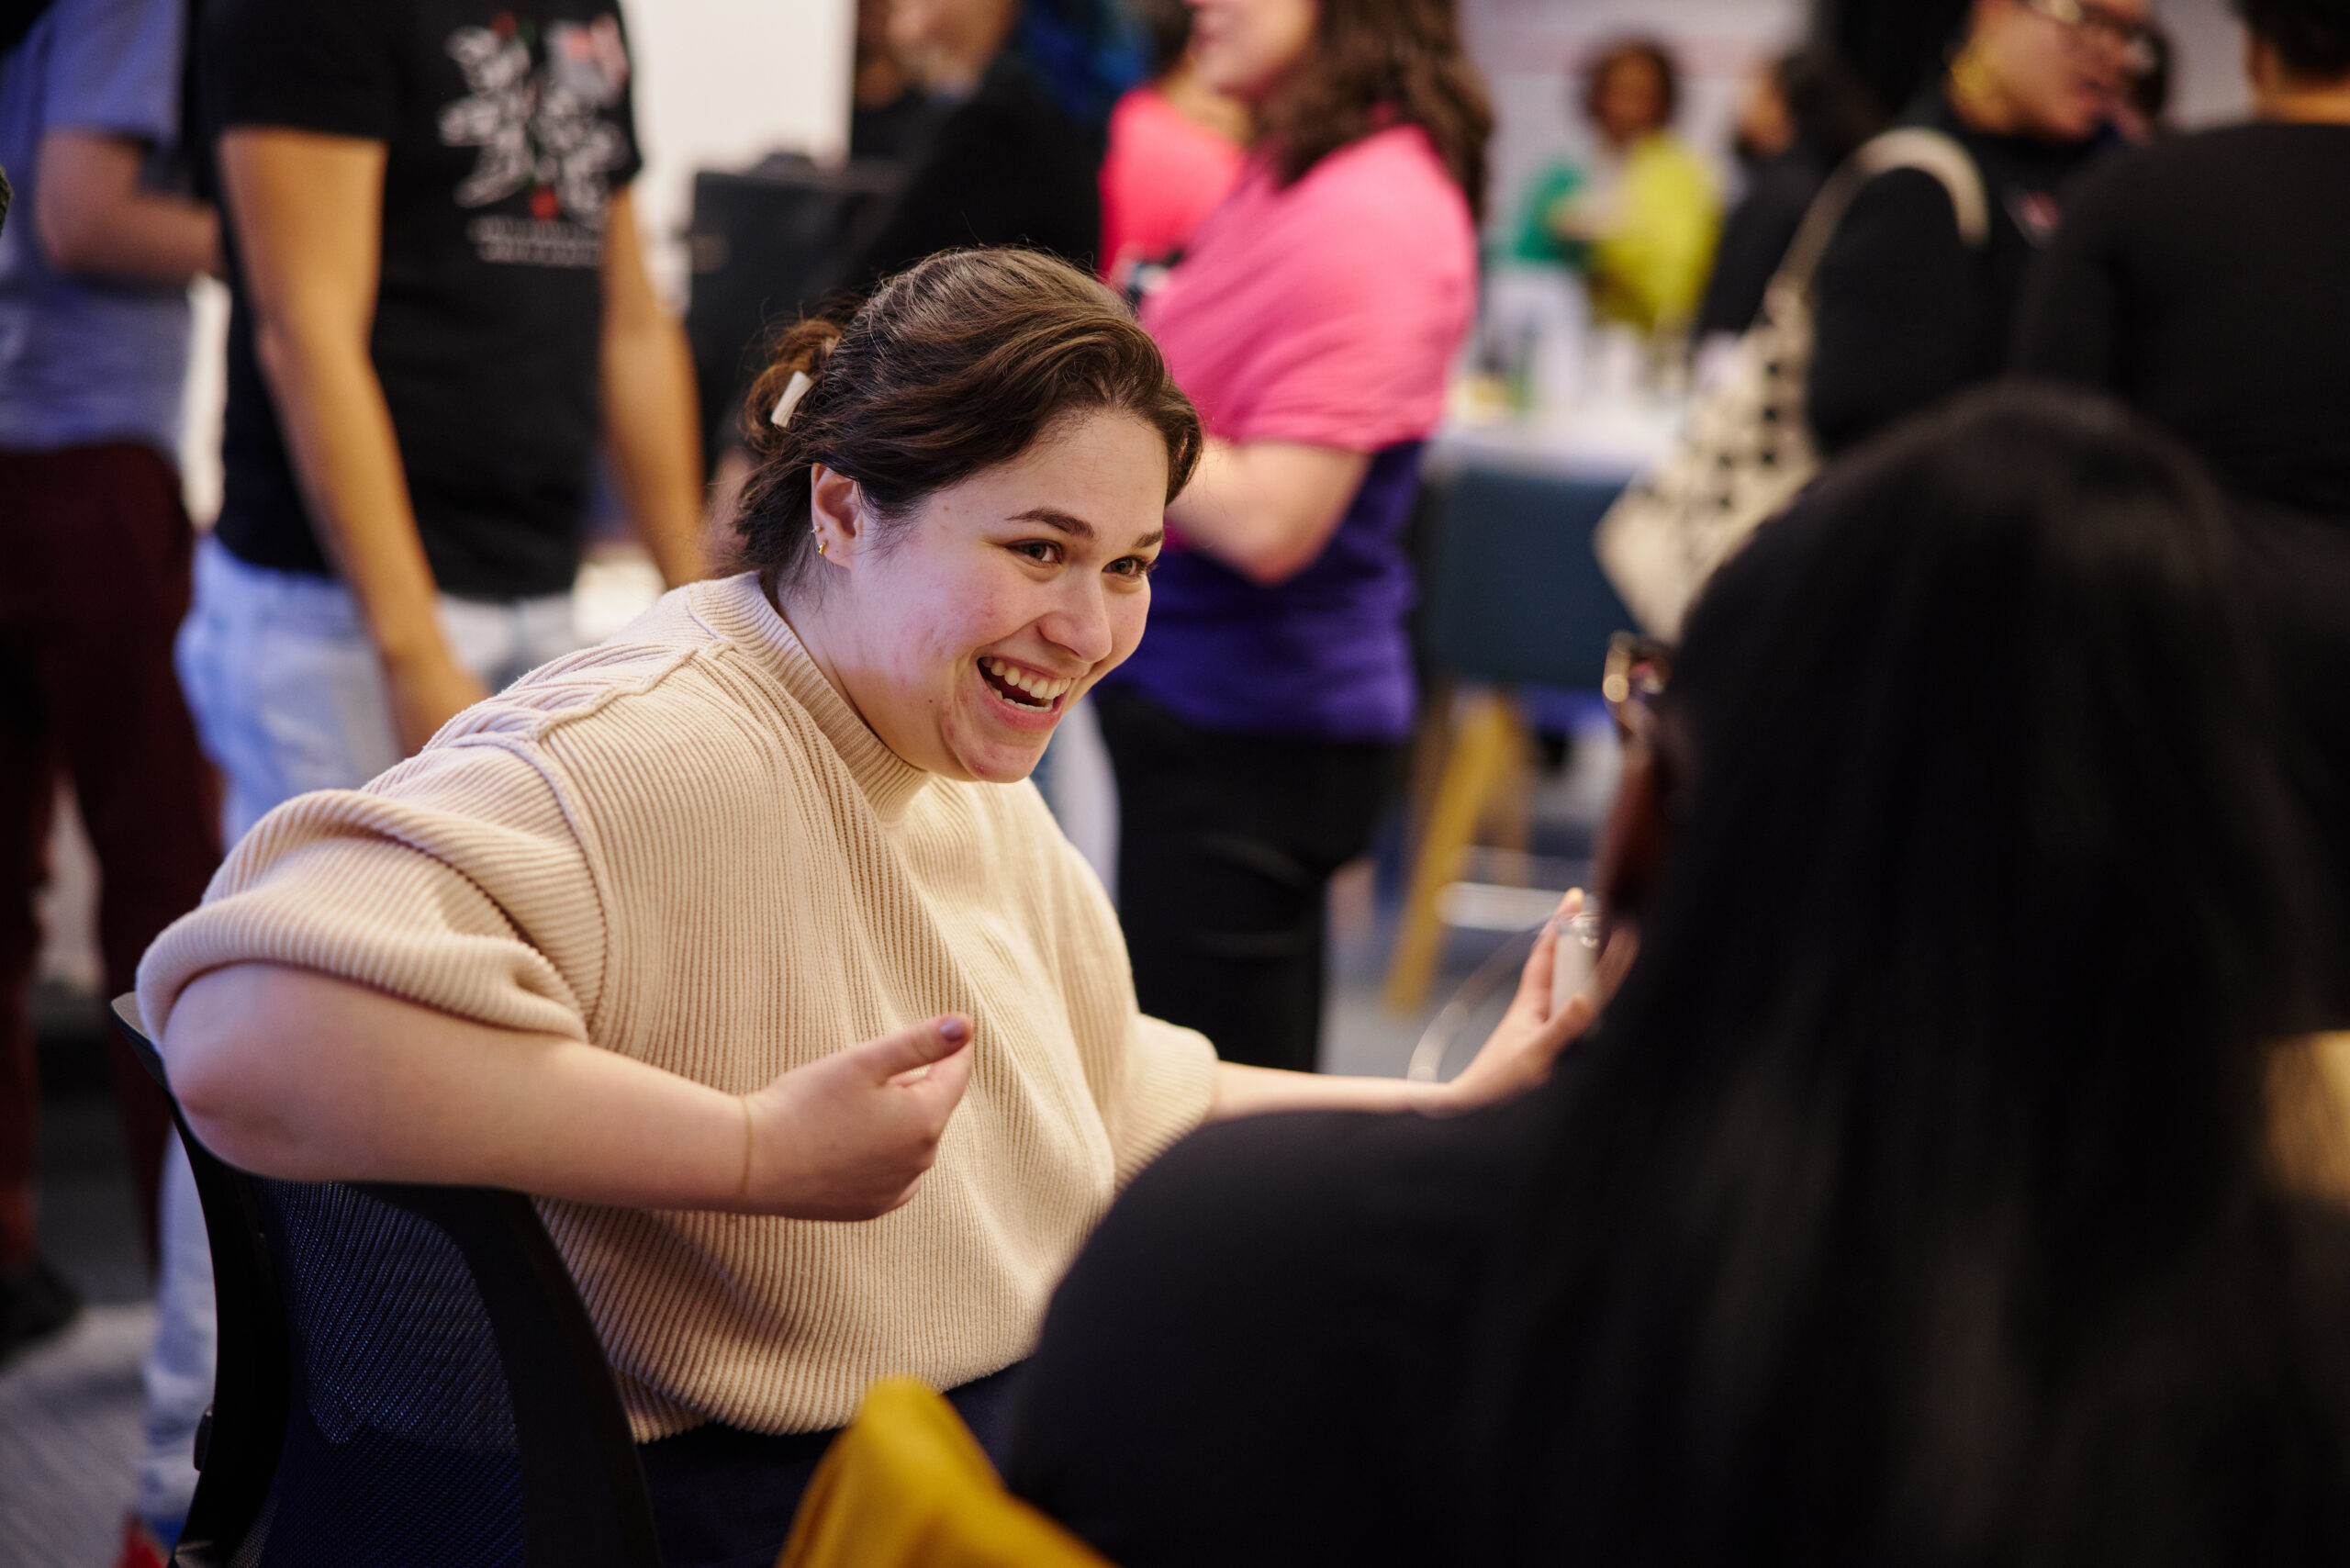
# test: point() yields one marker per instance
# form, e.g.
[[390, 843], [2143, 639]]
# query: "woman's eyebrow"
[[1078, 528], [1052, 516]]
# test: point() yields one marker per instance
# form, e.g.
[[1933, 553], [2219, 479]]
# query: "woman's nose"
[[1080, 623]]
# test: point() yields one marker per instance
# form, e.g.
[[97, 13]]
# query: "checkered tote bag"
[[1746, 449]]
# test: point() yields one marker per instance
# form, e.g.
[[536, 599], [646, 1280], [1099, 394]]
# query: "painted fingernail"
[[953, 1031]]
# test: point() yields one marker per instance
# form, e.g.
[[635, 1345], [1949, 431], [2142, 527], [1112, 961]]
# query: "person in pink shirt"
[[1313, 320], [1176, 149]]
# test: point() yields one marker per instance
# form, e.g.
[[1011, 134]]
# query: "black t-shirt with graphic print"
[[507, 126]]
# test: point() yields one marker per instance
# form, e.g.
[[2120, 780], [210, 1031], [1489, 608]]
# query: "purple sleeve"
[[114, 68]]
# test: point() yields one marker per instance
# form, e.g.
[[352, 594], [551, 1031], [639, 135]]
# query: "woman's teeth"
[[1040, 689]]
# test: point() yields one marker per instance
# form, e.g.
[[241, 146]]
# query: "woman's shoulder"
[[1665, 156], [1394, 168], [1265, 1283], [683, 690]]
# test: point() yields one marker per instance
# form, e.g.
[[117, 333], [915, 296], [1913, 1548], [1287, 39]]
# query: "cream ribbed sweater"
[[684, 846]]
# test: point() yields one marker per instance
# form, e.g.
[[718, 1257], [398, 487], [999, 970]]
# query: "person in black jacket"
[[2201, 280], [1016, 159], [1925, 1195], [1906, 313], [1805, 116]]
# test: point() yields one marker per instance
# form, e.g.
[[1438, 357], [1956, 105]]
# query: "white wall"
[[722, 82], [2207, 83]]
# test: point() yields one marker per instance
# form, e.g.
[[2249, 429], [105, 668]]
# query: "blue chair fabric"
[[406, 1377], [1513, 595]]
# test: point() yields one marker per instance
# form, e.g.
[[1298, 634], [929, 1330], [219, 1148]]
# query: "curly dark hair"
[[954, 365], [1381, 62], [1651, 51], [2312, 37]]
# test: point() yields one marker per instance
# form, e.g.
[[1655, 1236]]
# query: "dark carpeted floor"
[[71, 1408]]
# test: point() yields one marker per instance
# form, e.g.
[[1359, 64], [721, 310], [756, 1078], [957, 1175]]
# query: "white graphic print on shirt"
[[542, 127]]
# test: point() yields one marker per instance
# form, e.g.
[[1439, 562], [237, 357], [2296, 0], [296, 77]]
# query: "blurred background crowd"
[[281, 492]]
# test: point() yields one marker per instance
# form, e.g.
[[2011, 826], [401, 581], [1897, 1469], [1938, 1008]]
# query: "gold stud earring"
[[819, 545]]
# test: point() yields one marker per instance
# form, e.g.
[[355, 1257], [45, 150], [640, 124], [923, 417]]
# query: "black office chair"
[[405, 1376]]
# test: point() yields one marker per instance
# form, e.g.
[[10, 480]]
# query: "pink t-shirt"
[[1329, 312], [1163, 173]]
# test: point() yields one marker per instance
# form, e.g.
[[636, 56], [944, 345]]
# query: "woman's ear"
[[836, 512]]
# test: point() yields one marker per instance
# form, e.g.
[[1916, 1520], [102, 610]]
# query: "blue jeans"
[[288, 697]]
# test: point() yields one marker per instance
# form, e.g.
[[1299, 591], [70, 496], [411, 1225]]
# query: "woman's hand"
[[1521, 1051], [307, 1077], [848, 1137]]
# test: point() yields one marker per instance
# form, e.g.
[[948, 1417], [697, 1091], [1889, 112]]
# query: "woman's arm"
[[293, 1074], [1265, 508], [1515, 1057], [652, 428], [307, 211]]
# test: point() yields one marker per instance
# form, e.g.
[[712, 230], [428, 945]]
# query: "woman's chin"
[[1000, 764], [997, 753]]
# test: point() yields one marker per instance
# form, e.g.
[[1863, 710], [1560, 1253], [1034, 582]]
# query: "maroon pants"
[[94, 580]]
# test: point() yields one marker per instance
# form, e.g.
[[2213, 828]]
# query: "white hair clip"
[[793, 391]]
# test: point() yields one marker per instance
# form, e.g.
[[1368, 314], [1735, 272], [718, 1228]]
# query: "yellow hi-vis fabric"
[[906, 1486]]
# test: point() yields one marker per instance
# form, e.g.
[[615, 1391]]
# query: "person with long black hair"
[[1938, 1187]]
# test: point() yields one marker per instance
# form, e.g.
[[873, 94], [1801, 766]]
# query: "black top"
[[1262, 1355], [1907, 313], [2206, 281], [1756, 237], [1003, 167], [508, 124]]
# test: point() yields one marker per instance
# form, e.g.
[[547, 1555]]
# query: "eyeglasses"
[[1635, 676], [2082, 20]]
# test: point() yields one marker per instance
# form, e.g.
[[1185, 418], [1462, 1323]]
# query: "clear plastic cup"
[[1577, 953]]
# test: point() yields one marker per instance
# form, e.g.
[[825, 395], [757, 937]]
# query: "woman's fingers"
[[848, 1137], [1542, 965], [913, 1047]]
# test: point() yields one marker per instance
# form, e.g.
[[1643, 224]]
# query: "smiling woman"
[[612, 937]]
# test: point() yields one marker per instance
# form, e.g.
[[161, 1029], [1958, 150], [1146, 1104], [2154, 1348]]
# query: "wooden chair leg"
[[1431, 744], [1509, 807], [1483, 735]]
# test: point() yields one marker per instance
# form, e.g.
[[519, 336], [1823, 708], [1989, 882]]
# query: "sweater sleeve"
[[455, 881]]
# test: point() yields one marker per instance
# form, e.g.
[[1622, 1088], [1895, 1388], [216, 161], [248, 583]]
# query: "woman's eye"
[[1134, 566], [1042, 550]]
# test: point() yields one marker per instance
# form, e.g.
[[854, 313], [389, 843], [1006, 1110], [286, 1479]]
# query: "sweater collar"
[[735, 609]]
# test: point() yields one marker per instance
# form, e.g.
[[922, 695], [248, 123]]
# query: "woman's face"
[[1246, 49], [947, 42], [1629, 103], [2061, 66], [964, 635]]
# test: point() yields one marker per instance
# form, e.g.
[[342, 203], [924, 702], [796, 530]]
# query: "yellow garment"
[[1650, 259], [906, 1487]]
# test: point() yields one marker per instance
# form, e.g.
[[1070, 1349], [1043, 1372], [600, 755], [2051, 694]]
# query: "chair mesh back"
[[400, 1442]]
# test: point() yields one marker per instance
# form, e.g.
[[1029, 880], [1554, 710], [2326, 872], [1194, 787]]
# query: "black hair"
[[1607, 57], [956, 364], [1832, 110], [2312, 37], [1917, 1203]]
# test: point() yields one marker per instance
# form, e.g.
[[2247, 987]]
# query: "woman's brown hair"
[[956, 364], [1381, 62]]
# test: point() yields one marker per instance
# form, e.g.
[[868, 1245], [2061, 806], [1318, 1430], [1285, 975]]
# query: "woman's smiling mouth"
[[1021, 688]]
